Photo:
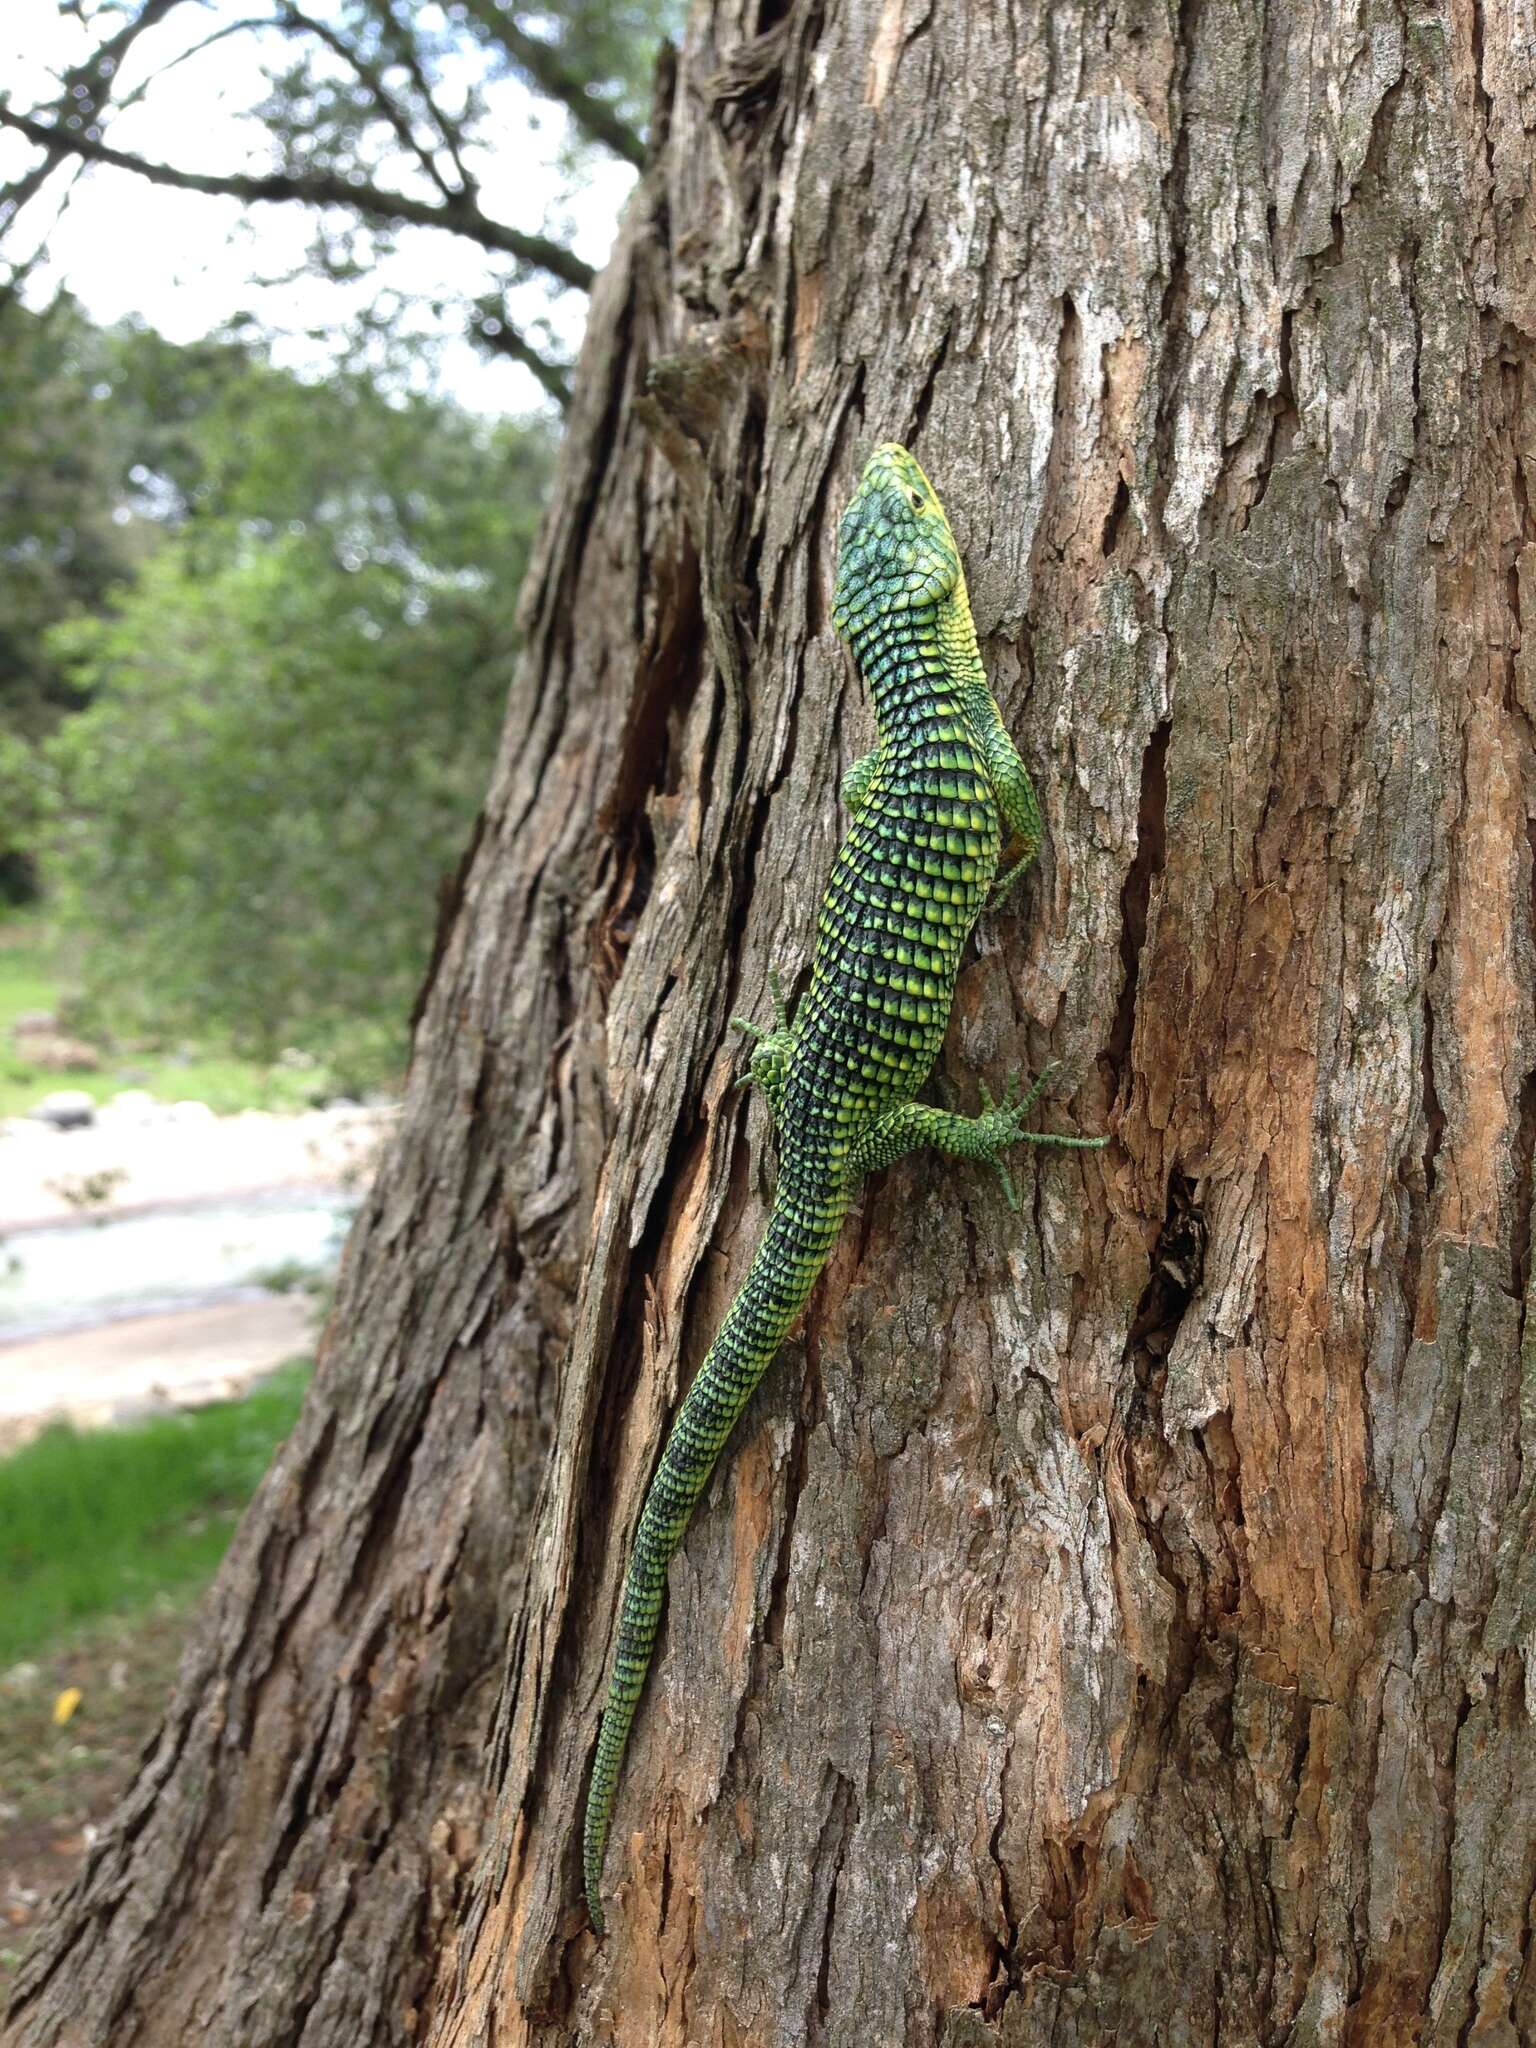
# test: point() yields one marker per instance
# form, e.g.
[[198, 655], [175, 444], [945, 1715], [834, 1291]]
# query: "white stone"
[[67, 1109]]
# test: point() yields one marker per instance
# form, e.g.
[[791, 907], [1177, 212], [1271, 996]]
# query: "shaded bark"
[[1114, 1625]]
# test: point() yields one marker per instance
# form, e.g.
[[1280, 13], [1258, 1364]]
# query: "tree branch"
[[151, 79], [82, 91], [106, 59], [458, 214], [11, 204], [402, 38], [498, 334], [545, 66], [299, 23]]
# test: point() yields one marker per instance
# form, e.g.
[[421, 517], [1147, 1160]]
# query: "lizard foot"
[[1002, 1124]]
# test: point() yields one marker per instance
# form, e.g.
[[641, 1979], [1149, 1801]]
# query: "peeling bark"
[[1115, 1624]]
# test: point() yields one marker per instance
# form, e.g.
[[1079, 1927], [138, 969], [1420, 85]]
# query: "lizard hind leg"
[[768, 1066], [986, 1137], [1019, 810], [1017, 805]]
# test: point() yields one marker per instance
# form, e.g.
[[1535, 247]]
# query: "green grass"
[[107, 1521], [29, 980]]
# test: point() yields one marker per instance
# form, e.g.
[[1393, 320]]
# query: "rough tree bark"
[[1117, 1623]]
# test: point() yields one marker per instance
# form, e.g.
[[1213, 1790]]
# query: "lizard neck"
[[915, 665]]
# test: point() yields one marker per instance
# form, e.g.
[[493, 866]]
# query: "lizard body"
[[931, 807]]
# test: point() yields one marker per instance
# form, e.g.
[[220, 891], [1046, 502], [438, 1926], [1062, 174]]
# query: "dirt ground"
[[58, 1784], [147, 1364]]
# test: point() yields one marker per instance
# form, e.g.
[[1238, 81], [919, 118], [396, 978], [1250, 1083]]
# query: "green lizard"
[[930, 806]]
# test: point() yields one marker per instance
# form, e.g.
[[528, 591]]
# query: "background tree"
[[61, 548], [252, 667], [67, 534], [378, 117], [292, 713], [1111, 1627]]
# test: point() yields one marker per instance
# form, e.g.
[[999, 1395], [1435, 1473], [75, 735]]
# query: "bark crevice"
[[1136, 893]]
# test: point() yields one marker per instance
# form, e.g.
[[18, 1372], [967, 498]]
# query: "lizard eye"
[[917, 499]]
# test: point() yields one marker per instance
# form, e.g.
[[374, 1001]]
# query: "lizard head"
[[894, 547]]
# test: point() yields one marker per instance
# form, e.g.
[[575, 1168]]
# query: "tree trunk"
[[1115, 1623]]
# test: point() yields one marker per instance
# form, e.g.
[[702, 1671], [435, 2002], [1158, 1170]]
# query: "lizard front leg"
[[1015, 793], [913, 1124]]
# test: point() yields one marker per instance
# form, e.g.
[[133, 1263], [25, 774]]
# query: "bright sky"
[[186, 262]]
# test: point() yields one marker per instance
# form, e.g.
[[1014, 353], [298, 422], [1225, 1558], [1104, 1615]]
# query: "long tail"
[[793, 1251]]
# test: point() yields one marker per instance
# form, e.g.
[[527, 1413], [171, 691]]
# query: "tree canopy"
[[255, 629], [290, 710], [375, 117]]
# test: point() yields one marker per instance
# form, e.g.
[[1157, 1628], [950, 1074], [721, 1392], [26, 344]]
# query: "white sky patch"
[[187, 262]]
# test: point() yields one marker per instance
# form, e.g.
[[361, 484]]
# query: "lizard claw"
[[1005, 1121], [1037, 1087]]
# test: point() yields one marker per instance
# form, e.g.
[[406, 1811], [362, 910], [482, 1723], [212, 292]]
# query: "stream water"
[[77, 1275]]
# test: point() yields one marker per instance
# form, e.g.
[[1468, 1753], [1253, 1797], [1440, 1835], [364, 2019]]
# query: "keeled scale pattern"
[[907, 886]]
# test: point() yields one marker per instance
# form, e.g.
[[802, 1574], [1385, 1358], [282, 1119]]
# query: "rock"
[[134, 1106], [32, 1023], [55, 1052], [189, 1113], [87, 1193], [67, 1109]]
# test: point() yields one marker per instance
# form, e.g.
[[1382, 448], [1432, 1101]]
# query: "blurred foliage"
[[255, 632], [66, 533], [97, 456], [609, 44], [292, 709], [435, 64]]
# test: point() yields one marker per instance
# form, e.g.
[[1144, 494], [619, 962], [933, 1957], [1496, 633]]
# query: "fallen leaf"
[[65, 1705]]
